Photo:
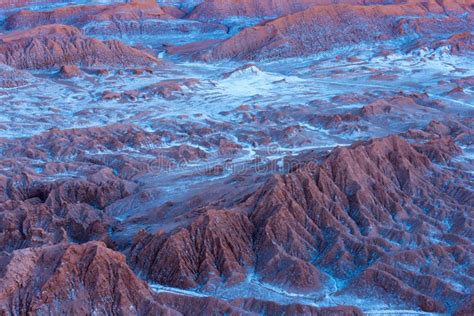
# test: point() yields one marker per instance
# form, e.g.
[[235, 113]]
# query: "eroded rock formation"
[[321, 28], [364, 204], [56, 45], [277, 186]]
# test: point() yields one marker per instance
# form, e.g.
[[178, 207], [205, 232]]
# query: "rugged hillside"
[[148, 168], [321, 28], [55, 45], [355, 216], [372, 217], [215, 9], [81, 15], [72, 278], [218, 9], [78, 279]]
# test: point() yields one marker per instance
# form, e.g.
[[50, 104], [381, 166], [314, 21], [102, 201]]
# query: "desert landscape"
[[237, 157]]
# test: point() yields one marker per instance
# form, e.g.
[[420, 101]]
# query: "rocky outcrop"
[[76, 142], [374, 216], [321, 28], [63, 199], [72, 279], [312, 30], [215, 9], [69, 71], [135, 17], [348, 203], [167, 89], [55, 186], [217, 246], [40, 210], [361, 205], [57, 45], [78, 279], [218, 9], [81, 15], [399, 276], [128, 188], [458, 43]]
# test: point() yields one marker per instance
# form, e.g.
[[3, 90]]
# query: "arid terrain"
[[237, 157]]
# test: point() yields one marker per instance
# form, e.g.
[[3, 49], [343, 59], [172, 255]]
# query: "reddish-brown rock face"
[[217, 245], [357, 207], [67, 279], [290, 158], [56, 45], [69, 71], [80, 15], [78, 279], [458, 43], [319, 28], [217, 9], [307, 31]]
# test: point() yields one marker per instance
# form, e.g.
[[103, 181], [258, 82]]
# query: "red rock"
[[81, 15], [399, 103], [184, 153], [350, 209], [122, 18], [169, 88], [438, 128], [81, 278], [384, 77], [73, 279], [306, 202], [296, 309], [378, 107], [385, 219], [69, 71], [56, 45], [191, 50], [249, 306], [465, 81], [340, 209], [287, 36], [215, 248], [456, 44], [35, 213], [353, 59], [227, 147], [388, 276], [315, 29], [132, 94], [90, 277], [440, 150], [220, 9], [76, 142], [457, 90]]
